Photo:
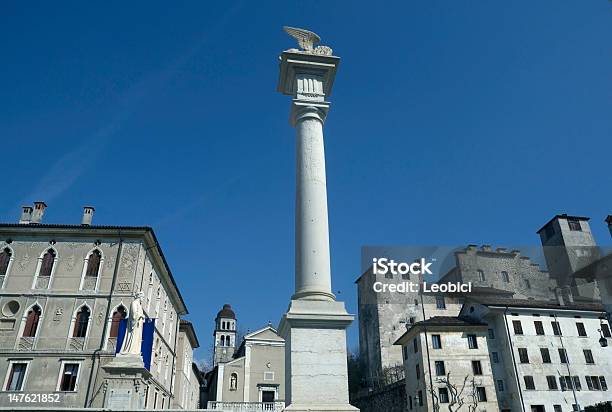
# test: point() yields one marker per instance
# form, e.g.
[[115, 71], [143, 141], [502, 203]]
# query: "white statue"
[[133, 334], [307, 41]]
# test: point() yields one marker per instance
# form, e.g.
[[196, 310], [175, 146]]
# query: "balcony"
[[246, 406]]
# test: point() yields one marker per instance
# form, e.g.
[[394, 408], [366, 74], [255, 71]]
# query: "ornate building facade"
[[64, 290]]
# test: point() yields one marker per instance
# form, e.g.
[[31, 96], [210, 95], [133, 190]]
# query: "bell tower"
[[225, 335]]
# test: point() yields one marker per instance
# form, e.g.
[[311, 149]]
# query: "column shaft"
[[312, 262]]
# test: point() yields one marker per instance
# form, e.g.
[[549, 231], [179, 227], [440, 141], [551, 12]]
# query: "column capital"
[[311, 74], [308, 109]]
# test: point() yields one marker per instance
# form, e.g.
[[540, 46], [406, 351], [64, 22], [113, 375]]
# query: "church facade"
[[250, 376], [64, 290]]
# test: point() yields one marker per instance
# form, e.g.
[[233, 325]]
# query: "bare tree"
[[458, 394]]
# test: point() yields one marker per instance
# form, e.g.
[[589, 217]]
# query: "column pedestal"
[[316, 376], [124, 383]]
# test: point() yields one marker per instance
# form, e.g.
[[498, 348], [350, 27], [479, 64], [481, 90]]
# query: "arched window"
[[119, 314], [234, 381], [227, 340], [80, 323], [222, 340], [93, 264], [5, 258], [32, 319], [46, 266]]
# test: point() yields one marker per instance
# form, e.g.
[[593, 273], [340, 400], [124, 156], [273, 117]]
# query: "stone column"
[[312, 266], [314, 327]]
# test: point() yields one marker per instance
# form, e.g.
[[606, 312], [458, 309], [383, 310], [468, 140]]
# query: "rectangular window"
[[500, 385], [529, 384], [581, 329], [418, 372], [518, 328], [16, 377], [472, 342], [574, 225], [405, 352], [562, 355], [440, 370], [605, 330], [523, 355], [595, 381], [588, 356], [420, 395], [556, 328], [505, 277], [568, 382], [589, 382], [602, 383], [481, 276], [70, 374], [440, 303], [577, 384], [563, 383], [545, 355], [476, 367], [552, 382], [539, 327], [410, 401], [527, 284], [557, 408], [481, 393], [491, 334], [495, 357], [436, 342], [415, 344], [443, 395]]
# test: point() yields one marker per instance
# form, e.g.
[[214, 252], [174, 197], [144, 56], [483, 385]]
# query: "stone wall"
[[391, 398]]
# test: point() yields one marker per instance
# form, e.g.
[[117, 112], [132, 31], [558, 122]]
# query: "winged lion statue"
[[307, 40]]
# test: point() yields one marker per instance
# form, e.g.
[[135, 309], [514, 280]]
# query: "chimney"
[[88, 212], [26, 215], [39, 211]]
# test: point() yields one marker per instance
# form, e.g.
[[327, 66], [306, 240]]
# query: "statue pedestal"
[[125, 380], [316, 377]]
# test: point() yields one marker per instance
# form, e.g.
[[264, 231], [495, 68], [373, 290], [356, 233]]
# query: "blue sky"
[[451, 122]]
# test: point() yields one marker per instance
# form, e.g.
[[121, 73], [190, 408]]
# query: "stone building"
[[494, 273], [569, 246], [446, 360], [188, 377], [524, 355], [253, 378], [65, 288]]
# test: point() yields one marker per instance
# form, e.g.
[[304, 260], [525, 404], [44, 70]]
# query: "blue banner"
[[146, 347]]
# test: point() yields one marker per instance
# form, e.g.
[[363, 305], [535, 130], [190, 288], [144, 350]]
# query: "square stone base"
[[124, 382], [316, 375]]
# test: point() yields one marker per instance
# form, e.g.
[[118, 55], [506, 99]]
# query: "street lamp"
[[602, 340]]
